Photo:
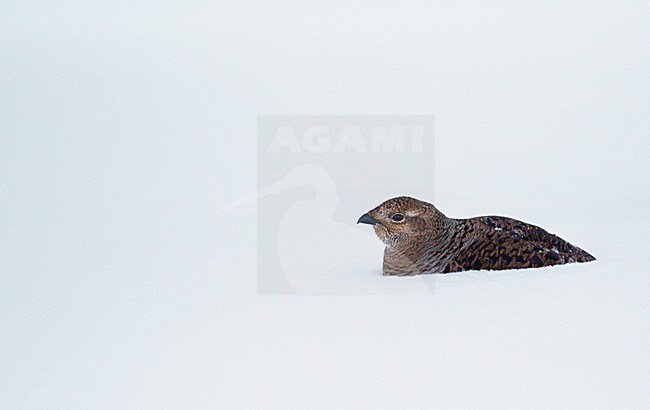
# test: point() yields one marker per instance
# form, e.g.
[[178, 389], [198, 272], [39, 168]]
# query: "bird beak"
[[367, 219]]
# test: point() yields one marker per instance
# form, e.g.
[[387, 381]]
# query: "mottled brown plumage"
[[420, 239]]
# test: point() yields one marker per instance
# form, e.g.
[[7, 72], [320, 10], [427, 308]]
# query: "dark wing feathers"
[[504, 243]]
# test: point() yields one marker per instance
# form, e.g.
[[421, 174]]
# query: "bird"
[[420, 239]]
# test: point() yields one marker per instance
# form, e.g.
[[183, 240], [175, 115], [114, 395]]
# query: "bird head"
[[401, 219]]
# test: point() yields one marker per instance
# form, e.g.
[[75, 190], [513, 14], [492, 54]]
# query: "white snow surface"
[[125, 126]]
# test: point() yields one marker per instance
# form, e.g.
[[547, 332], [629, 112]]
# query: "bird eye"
[[397, 218]]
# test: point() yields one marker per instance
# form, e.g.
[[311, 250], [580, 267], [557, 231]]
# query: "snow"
[[126, 127]]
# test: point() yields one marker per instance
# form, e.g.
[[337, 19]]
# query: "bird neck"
[[421, 252]]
